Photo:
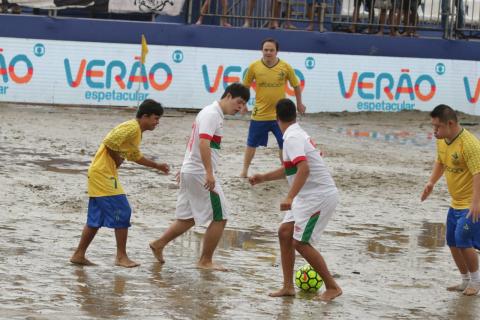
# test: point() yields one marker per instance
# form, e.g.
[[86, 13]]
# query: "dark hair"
[[237, 90], [271, 40], [286, 110], [149, 107], [444, 113]]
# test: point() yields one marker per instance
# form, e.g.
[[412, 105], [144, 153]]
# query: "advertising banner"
[[104, 74]]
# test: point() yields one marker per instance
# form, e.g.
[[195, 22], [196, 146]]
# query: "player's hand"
[[256, 179], [474, 213], [244, 110], [177, 177], [286, 204], [209, 182], [301, 108], [426, 191], [163, 167]]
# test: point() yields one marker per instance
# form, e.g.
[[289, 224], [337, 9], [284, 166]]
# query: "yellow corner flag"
[[144, 49]]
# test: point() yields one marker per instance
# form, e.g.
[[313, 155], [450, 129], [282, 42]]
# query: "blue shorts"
[[111, 212], [258, 133], [461, 231]]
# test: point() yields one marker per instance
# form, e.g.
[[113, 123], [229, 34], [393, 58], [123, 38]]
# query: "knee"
[[284, 233], [299, 246]]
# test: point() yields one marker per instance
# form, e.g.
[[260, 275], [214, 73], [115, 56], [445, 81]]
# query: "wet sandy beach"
[[385, 248]]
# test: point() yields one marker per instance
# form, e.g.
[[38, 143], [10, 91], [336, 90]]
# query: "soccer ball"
[[307, 279]]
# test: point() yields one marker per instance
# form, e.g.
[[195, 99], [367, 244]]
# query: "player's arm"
[[303, 170], [247, 82], [437, 173], [295, 83], [206, 155], [471, 153], [115, 156], [475, 207], [298, 96], [269, 176], [152, 164]]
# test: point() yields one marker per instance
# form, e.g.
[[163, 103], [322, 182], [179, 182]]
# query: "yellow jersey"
[[461, 160], [270, 85], [102, 173]]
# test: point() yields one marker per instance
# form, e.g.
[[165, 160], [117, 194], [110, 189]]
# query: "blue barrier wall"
[[114, 31]]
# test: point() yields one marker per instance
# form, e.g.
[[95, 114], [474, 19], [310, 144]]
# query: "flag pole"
[[143, 56]]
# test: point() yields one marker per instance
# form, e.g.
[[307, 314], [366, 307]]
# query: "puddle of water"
[[63, 165]]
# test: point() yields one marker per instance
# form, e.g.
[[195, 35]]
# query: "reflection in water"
[[388, 240], [242, 239], [286, 309], [98, 299], [463, 308], [433, 235], [374, 246]]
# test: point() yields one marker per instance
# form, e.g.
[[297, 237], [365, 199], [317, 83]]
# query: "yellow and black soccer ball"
[[307, 279]]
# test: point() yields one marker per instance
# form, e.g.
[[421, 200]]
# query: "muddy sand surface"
[[385, 248]]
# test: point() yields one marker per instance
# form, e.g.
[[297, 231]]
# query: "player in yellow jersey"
[[108, 205], [458, 158], [270, 75]]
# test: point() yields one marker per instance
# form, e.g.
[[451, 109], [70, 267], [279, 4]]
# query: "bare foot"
[[284, 292], [472, 289], [330, 294], [126, 262], [226, 24], [157, 252], [211, 266], [81, 261], [309, 28], [458, 287], [243, 175]]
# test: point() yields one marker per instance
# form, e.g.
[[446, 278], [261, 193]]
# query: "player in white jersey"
[[200, 198], [310, 202]]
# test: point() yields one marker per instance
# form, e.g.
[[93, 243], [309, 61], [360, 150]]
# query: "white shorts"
[[194, 201], [311, 215]]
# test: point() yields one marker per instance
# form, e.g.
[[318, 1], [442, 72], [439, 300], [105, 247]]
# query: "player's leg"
[[95, 219], [279, 137], [452, 217], [210, 241], [211, 206], [315, 259], [176, 229], [78, 256], [117, 216], [471, 258], [257, 136], [122, 258], [184, 219], [287, 255], [311, 218], [467, 235]]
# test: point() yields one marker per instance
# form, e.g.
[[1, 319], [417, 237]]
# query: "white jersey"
[[297, 147], [208, 125]]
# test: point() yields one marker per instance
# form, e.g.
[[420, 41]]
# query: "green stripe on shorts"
[[307, 234], [216, 206]]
